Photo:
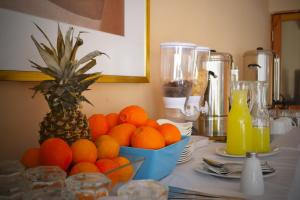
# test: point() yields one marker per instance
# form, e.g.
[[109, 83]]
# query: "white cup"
[[282, 125]]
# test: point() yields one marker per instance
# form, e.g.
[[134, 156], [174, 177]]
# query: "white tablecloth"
[[285, 184]]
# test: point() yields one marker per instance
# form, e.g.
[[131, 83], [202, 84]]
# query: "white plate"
[[185, 155], [186, 152], [221, 151], [185, 159], [201, 169], [183, 125], [189, 147], [187, 133]]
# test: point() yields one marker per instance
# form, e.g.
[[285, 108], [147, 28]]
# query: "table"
[[285, 184]]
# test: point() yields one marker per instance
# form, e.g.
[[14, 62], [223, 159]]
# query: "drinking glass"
[[45, 177], [143, 189], [91, 186], [11, 179], [45, 193]]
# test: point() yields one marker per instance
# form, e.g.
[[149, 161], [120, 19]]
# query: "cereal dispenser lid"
[[177, 44], [202, 48]]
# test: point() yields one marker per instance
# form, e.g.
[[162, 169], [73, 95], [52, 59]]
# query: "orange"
[[147, 137], [125, 173], [152, 123], [98, 125], [106, 166], [83, 167], [84, 150], [107, 147], [122, 133], [170, 132], [135, 115], [55, 151], [112, 120], [100, 138], [31, 157]]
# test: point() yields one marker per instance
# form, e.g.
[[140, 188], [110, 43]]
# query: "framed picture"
[[120, 28]]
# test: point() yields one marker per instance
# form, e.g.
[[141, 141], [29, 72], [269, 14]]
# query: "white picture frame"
[[128, 55]]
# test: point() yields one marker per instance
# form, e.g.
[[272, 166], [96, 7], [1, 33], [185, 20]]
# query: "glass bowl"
[[143, 189], [124, 173]]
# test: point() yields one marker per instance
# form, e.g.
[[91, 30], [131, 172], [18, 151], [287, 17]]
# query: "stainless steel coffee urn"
[[263, 65], [213, 123]]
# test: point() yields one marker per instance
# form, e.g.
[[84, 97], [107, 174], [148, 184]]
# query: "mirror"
[[286, 43]]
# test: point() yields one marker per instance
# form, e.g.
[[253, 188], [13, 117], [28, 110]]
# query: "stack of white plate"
[[195, 142], [185, 130], [186, 154]]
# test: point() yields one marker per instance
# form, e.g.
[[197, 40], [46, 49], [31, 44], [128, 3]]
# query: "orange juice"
[[239, 125], [261, 139]]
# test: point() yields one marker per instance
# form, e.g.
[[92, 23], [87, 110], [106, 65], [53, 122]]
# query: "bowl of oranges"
[[123, 146], [158, 163], [140, 136]]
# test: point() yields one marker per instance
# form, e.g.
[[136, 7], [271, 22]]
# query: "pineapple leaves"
[[45, 70], [88, 57], [68, 49], [47, 49], [68, 72], [86, 83], [71, 77], [82, 98], [43, 87], [78, 43], [53, 49], [48, 59], [87, 67], [60, 44], [82, 77]]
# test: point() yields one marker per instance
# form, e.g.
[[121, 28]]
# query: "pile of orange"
[[82, 156], [133, 127], [130, 127]]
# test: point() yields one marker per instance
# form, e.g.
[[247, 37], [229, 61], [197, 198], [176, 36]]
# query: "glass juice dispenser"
[[239, 121], [260, 117], [177, 77]]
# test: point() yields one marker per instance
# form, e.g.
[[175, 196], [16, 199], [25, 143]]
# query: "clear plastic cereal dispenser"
[[195, 104], [177, 77]]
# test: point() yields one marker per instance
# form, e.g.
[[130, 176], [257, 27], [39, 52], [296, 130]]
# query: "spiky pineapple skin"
[[69, 126]]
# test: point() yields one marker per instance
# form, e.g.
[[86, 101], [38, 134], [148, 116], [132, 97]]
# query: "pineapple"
[[63, 92]]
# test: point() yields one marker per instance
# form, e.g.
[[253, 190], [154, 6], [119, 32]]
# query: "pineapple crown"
[[69, 78]]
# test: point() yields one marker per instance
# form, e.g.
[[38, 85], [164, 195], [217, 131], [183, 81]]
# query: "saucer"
[[203, 170], [221, 151]]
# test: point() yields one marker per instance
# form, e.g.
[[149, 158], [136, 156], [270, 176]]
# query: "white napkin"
[[198, 141]]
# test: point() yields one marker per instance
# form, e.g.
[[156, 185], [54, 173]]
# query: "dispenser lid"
[[259, 51], [202, 48], [177, 44], [220, 56]]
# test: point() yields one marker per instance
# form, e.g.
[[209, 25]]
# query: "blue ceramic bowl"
[[158, 163]]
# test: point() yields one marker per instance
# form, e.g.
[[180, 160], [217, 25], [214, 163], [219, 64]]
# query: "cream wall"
[[232, 26], [283, 5]]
